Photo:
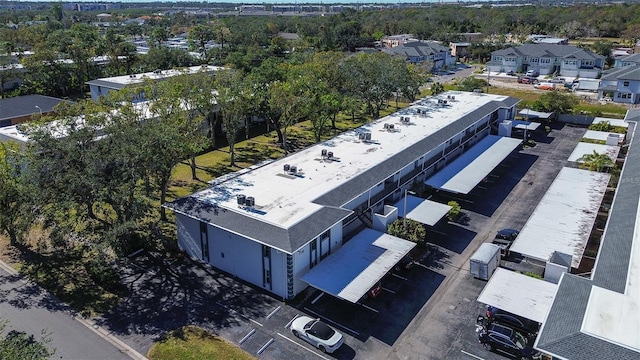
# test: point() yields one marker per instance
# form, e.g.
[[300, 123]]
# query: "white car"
[[317, 333]]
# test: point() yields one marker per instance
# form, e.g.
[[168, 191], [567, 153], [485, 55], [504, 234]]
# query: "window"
[[545, 61], [534, 60], [570, 62], [624, 95], [625, 83], [325, 235]]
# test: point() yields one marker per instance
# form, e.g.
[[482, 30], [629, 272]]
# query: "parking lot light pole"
[[404, 213]]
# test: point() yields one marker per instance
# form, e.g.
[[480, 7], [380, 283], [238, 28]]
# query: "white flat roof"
[[358, 265], [528, 125], [465, 172], [588, 148], [423, 211], [614, 122], [283, 200], [613, 316], [528, 113], [600, 135], [563, 219], [138, 78], [519, 294]]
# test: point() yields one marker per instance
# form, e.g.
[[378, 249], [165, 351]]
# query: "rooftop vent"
[[365, 136]]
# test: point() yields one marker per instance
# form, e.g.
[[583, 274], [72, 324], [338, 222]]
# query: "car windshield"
[[322, 330], [519, 340]]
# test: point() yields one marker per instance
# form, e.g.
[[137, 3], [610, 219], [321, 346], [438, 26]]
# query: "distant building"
[[102, 87], [563, 60], [621, 84], [627, 60], [459, 49], [420, 51], [546, 39], [395, 40], [19, 109]]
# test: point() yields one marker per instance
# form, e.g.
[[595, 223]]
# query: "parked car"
[[532, 73], [556, 80], [511, 73], [527, 80], [317, 333], [374, 291], [505, 237], [502, 338], [519, 323]]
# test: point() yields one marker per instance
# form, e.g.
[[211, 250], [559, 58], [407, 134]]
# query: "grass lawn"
[[193, 343]]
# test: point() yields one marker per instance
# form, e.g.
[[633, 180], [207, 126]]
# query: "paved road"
[[30, 309]]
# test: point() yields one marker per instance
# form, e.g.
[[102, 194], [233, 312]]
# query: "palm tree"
[[596, 162]]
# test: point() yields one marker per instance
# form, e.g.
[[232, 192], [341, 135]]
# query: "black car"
[[519, 323], [502, 338], [504, 238]]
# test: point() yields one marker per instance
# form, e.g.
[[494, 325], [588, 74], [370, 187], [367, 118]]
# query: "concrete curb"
[[90, 324]]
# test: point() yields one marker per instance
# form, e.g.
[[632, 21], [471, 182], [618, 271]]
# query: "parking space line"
[[370, 308], [235, 312], [388, 290], [333, 322], [253, 331], [304, 347], [317, 298], [470, 354], [291, 322], [400, 277], [265, 346], [422, 265], [273, 312]]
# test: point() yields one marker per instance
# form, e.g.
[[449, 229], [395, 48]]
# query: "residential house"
[[562, 60], [272, 223], [627, 60], [421, 51], [395, 40], [622, 84]]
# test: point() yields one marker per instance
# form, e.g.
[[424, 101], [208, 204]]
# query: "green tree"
[[290, 96], [596, 162], [410, 230], [16, 215], [16, 345], [199, 36], [555, 101], [233, 99], [471, 83], [455, 210], [437, 88]]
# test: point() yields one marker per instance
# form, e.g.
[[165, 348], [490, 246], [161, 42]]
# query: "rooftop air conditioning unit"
[[391, 127], [323, 153], [241, 199], [405, 120], [330, 155], [293, 169], [250, 201], [286, 168]]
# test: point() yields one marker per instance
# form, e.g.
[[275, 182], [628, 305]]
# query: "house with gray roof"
[[420, 51], [621, 84], [595, 316], [272, 223], [563, 60], [628, 60]]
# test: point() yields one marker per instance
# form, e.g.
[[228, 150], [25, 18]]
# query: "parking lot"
[[426, 312]]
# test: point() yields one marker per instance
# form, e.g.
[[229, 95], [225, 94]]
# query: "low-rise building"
[[271, 224], [421, 51], [622, 85], [547, 59]]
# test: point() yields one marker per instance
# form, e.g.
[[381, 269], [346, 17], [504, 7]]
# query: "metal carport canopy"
[[519, 294], [358, 265], [423, 211], [465, 172]]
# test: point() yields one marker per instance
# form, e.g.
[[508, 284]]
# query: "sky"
[[272, 1]]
